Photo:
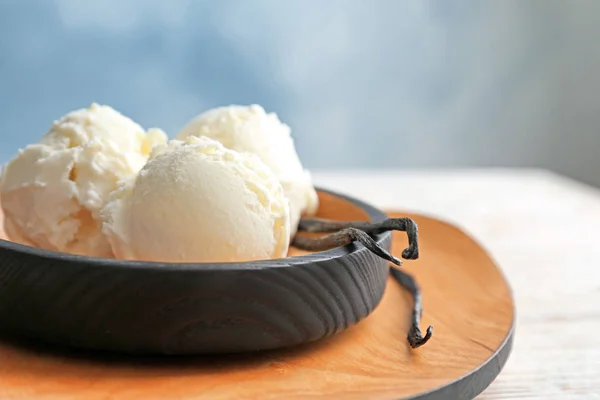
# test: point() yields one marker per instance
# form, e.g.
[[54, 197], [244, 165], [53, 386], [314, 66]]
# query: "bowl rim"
[[373, 213]]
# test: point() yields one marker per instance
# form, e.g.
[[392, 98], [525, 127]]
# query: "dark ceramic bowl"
[[157, 308]]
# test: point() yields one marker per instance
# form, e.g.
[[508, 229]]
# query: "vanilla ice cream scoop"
[[196, 201], [52, 191], [251, 129]]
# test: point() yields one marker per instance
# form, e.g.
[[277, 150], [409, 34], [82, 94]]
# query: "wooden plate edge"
[[476, 381]]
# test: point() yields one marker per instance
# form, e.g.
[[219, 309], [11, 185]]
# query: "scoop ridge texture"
[[197, 201], [251, 129], [52, 191]]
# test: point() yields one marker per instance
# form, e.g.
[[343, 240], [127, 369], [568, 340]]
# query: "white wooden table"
[[544, 232]]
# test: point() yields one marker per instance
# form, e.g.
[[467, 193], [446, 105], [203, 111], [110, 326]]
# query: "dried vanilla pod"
[[408, 282], [343, 233], [321, 225]]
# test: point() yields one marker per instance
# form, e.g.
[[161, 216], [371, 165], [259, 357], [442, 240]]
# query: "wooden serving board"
[[465, 298]]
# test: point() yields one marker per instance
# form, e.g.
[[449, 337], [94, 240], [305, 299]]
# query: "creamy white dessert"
[[197, 201], [52, 191], [251, 129]]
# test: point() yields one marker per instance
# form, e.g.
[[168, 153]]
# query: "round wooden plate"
[[465, 297]]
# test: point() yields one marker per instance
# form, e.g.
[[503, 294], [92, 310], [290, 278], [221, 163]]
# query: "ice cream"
[[52, 191], [251, 129], [197, 201]]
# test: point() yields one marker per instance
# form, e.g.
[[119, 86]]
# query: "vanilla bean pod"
[[344, 233], [415, 337], [372, 228], [343, 238]]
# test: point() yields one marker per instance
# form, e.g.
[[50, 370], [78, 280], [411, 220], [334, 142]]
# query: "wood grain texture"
[[153, 308], [542, 228], [465, 297]]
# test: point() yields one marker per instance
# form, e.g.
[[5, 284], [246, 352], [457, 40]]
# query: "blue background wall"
[[363, 83]]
